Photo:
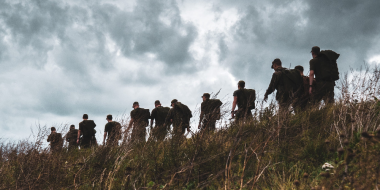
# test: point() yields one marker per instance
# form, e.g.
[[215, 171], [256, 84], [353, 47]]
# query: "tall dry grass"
[[273, 151]]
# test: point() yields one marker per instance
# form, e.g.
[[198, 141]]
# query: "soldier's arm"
[[234, 106], [78, 136], [130, 124], [272, 85], [311, 79], [48, 139], [104, 137], [200, 119]]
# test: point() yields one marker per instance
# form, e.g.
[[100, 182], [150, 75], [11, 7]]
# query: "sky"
[[61, 59]]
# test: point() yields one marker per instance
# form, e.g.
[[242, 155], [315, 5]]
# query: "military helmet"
[[157, 102], [109, 117], [174, 101], [135, 103]]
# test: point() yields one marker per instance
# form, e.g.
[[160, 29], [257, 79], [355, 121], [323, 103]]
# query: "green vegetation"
[[274, 151]]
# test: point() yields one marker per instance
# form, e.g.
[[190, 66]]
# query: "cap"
[[174, 101], [299, 67], [109, 116], [207, 95], [277, 61], [85, 116], [315, 49], [157, 102]]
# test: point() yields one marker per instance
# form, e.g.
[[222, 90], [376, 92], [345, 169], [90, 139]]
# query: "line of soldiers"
[[293, 88]]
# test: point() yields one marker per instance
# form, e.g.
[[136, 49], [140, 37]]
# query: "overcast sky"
[[61, 59]]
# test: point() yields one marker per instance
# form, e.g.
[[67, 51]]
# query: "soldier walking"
[[158, 116], [87, 130], [241, 100], [71, 138], [210, 113], [324, 67], [113, 130], [180, 116], [287, 83], [56, 141], [139, 121]]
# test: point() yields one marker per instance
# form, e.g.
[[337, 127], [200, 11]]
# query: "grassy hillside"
[[274, 151]]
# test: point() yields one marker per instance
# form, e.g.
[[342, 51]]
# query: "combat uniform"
[[324, 86], [113, 130], [284, 91], [159, 115], [56, 142], [139, 124], [71, 138], [243, 111], [181, 118], [211, 115], [87, 128]]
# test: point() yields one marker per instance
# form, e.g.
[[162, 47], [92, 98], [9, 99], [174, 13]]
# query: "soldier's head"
[[72, 127], [157, 103], [206, 96], [173, 102], [52, 129], [276, 63], [299, 68], [85, 116], [315, 51], [109, 117], [135, 105], [241, 84]]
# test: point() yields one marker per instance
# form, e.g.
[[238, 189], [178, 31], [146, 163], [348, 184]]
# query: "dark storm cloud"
[[56, 57], [288, 30], [152, 27]]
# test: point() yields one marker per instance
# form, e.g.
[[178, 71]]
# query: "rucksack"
[[116, 130], [293, 80], [330, 68], [146, 115], [247, 99], [213, 106], [142, 114], [162, 112], [251, 98], [184, 109], [89, 126]]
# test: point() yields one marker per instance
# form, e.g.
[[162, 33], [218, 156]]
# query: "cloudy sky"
[[61, 59]]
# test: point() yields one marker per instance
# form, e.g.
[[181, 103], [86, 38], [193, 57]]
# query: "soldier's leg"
[[329, 93]]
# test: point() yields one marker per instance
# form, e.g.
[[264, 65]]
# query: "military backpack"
[[293, 80], [329, 69], [88, 126], [184, 109], [162, 112], [213, 107], [116, 129]]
